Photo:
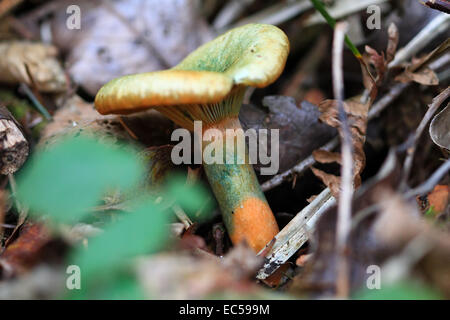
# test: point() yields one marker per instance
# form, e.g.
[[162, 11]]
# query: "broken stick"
[[14, 147]]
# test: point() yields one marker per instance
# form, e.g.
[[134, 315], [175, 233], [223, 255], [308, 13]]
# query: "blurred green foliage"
[[399, 291], [65, 181], [68, 179]]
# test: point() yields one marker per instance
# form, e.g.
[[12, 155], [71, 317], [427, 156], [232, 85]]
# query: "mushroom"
[[209, 86]]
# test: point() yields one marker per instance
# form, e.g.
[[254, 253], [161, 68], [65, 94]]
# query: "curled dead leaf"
[[357, 113], [424, 76], [418, 71]]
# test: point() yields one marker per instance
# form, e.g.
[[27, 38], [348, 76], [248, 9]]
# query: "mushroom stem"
[[244, 207]]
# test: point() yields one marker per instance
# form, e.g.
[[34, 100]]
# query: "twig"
[[182, 216], [441, 5], [398, 267], [14, 146], [346, 193], [431, 182], [437, 26], [299, 168], [435, 104], [232, 10], [27, 91], [23, 211], [127, 129], [382, 103], [294, 234], [277, 14]]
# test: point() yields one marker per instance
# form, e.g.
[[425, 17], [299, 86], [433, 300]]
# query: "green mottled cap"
[[251, 55]]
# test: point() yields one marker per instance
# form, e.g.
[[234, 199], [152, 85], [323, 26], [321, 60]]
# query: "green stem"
[[244, 207], [332, 22]]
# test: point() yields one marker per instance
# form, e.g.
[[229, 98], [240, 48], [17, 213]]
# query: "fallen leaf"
[[331, 181], [357, 113], [378, 61], [300, 131], [440, 128], [417, 71], [147, 36], [32, 63], [26, 251], [424, 76]]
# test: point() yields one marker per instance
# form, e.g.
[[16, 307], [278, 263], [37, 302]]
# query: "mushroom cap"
[[251, 55]]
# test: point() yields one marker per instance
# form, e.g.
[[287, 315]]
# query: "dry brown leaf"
[[432, 56], [417, 71], [424, 76], [357, 113], [330, 180], [300, 131], [324, 156], [32, 63], [26, 250], [378, 61]]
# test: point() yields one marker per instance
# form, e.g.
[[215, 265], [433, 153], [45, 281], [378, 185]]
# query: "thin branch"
[[435, 104], [294, 234], [182, 216], [346, 192], [276, 14], [230, 12], [431, 182], [27, 91], [299, 168], [441, 5], [437, 26]]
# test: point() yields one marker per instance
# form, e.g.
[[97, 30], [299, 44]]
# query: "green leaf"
[[68, 179], [142, 232], [192, 198]]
